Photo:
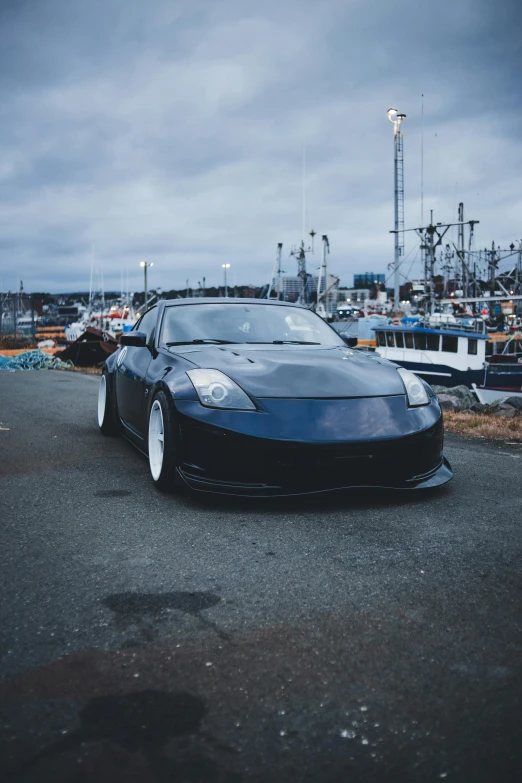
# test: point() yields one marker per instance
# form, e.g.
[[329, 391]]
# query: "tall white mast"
[[276, 273], [323, 270], [92, 273], [279, 270], [396, 119], [304, 194]]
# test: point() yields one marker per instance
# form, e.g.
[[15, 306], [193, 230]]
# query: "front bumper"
[[219, 460]]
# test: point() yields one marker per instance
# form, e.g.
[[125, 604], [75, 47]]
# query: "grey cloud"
[[174, 130]]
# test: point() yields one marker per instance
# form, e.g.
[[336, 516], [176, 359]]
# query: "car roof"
[[225, 300]]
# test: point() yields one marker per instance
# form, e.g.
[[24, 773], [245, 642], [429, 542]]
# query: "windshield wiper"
[[294, 342], [284, 342], [202, 341]]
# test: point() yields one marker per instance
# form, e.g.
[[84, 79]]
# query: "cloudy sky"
[[173, 131]]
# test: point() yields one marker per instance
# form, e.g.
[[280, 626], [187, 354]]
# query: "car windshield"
[[245, 323]]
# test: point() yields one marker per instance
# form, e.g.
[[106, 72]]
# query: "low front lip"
[[441, 475]]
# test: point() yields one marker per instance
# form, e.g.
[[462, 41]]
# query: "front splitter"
[[438, 478]]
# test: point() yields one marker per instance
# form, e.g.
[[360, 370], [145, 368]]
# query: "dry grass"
[[88, 370], [484, 425], [18, 342]]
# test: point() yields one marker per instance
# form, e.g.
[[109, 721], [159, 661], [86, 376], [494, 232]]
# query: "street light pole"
[[225, 267], [145, 265]]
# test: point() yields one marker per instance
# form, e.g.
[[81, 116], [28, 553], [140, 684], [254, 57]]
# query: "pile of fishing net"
[[33, 360]]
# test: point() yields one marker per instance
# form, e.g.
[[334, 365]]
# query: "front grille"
[[223, 456]]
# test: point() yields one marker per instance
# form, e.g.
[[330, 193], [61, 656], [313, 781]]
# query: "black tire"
[[107, 420], [164, 470]]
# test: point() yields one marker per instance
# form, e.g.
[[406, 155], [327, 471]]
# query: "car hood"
[[299, 371]]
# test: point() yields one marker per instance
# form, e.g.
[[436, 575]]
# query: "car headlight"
[[415, 389], [217, 390]]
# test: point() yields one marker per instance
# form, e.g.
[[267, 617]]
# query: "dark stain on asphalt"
[[112, 493], [135, 732], [144, 720], [132, 604], [142, 609]]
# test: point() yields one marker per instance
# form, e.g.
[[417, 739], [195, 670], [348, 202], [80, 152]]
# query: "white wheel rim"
[[102, 400], [156, 440]]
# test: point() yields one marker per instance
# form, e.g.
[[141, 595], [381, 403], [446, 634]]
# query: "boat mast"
[[431, 261], [92, 272], [396, 119], [517, 274], [492, 264], [323, 273], [279, 270], [460, 250], [276, 273], [431, 237], [422, 247], [300, 254]]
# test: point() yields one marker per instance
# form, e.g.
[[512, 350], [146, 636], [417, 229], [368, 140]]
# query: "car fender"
[[176, 384]]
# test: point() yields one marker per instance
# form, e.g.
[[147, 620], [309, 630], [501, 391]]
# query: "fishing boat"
[[453, 353], [114, 321]]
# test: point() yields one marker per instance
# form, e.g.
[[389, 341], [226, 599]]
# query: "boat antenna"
[[279, 270], [422, 162], [304, 192], [92, 272]]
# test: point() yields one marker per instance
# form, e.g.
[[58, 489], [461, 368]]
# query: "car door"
[[131, 369]]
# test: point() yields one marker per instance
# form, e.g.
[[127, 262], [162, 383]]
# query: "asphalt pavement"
[[148, 638]]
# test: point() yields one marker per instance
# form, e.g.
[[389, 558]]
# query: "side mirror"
[[136, 339], [350, 341]]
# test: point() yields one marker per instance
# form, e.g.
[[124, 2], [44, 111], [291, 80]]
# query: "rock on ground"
[[478, 407], [515, 402], [466, 398], [449, 403], [503, 409]]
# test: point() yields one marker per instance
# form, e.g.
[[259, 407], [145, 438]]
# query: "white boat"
[[446, 354], [113, 322], [450, 354], [75, 330], [486, 394]]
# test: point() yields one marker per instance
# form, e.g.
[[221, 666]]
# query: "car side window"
[[147, 322]]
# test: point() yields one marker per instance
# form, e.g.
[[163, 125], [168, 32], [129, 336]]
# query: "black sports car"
[[254, 397]]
